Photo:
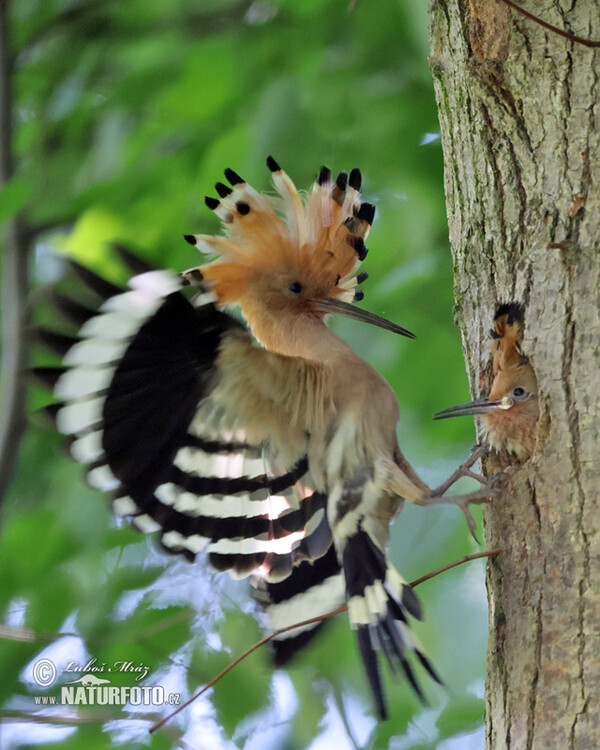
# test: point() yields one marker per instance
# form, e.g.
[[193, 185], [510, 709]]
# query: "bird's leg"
[[464, 470]]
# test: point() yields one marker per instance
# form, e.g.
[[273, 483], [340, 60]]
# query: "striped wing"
[[312, 589], [148, 395]]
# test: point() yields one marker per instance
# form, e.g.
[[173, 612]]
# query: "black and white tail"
[[379, 605]]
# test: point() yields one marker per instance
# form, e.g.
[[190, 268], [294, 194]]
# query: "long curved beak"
[[336, 306], [481, 406]]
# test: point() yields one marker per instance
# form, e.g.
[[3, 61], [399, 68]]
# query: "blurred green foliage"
[[125, 115]]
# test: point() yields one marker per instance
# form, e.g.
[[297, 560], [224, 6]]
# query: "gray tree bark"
[[519, 122]]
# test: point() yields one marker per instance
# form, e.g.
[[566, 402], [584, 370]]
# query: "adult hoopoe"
[[282, 462], [509, 414]]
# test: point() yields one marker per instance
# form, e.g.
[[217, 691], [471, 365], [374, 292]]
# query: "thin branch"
[[311, 621], [554, 29], [455, 564], [14, 283]]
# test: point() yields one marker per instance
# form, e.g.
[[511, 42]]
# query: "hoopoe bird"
[[508, 416], [281, 461]]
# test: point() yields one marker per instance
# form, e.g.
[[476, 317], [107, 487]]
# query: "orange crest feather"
[[322, 236], [508, 336]]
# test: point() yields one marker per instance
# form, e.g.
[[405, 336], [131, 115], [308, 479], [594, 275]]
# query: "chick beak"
[[337, 307], [481, 406]]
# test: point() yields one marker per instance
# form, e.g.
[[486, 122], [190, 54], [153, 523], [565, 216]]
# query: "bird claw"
[[484, 494], [490, 487], [464, 470]]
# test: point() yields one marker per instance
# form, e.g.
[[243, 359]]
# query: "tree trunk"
[[518, 115]]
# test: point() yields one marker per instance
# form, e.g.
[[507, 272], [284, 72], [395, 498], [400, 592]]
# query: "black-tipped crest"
[[223, 190], [366, 212], [338, 191], [362, 277], [359, 295], [272, 164], [342, 180], [190, 239], [212, 203], [330, 215], [233, 177], [514, 310], [359, 245], [355, 180], [324, 176]]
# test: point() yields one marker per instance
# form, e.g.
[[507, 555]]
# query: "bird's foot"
[[464, 470], [490, 489]]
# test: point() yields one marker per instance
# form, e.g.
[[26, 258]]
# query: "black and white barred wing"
[[157, 397]]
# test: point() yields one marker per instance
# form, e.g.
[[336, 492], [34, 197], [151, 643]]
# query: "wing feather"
[[201, 434]]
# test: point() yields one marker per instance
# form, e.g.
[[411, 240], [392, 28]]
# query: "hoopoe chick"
[[508, 416], [282, 462]]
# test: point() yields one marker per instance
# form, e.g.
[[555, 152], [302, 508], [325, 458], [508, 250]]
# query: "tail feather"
[[371, 663], [379, 604], [389, 630]]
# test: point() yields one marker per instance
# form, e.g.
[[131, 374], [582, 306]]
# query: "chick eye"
[[295, 287], [519, 392]]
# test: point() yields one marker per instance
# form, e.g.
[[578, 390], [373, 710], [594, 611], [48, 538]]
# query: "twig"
[[561, 32], [455, 564], [311, 621]]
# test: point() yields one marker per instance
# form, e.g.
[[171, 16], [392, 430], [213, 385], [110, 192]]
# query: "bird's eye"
[[295, 287], [519, 392]]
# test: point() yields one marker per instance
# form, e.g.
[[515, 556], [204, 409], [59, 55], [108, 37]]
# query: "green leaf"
[[245, 689], [460, 716], [13, 196]]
